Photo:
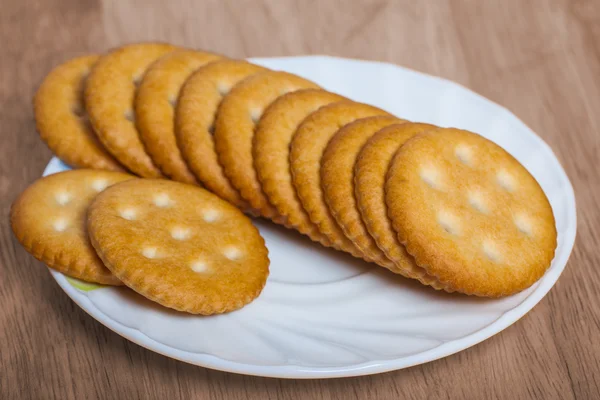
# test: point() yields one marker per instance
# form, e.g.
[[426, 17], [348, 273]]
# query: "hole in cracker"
[[180, 233], [130, 115], [79, 111], [523, 224], [505, 180], [149, 252], [232, 253], [464, 154], [211, 129], [85, 120], [99, 184], [128, 214], [449, 222], [210, 215], [255, 114], [137, 79], [477, 202], [491, 250], [430, 176], [162, 200], [223, 88], [62, 198], [199, 266], [60, 225]]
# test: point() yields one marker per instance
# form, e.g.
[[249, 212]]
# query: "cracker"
[[48, 219], [195, 117], [179, 245], [154, 109], [236, 121], [61, 119], [469, 213], [271, 152], [369, 183], [306, 151], [337, 182], [109, 96]]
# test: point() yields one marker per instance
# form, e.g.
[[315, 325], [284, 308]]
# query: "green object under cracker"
[[84, 286]]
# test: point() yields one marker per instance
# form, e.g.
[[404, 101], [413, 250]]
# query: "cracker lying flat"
[[179, 245], [154, 109], [307, 148], [470, 214], [61, 119], [369, 183], [195, 116], [109, 95], [48, 219], [271, 153], [234, 129], [337, 182]]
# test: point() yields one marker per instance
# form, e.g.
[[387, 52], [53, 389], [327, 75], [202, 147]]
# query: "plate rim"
[[374, 366]]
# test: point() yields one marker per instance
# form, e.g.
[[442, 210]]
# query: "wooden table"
[[541, 59]]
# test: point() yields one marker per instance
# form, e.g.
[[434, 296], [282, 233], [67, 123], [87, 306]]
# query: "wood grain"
[[539, 58]]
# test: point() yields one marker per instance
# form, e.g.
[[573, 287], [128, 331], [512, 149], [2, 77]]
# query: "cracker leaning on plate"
[[155, 109], [442, 206], [235, 124], [109, 97], [469, 213], [271, 154], [48, 219], [62, 121], [195, 115], [306, 149], [337, 182]]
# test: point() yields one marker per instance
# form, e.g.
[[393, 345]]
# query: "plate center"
[[297, 259]]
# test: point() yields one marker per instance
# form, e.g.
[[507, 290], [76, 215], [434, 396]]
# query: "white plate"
[[323, 314]]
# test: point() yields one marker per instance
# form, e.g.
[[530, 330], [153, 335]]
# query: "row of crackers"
[[443, 206]]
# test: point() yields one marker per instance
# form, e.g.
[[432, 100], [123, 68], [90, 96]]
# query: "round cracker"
[[337, 182], [271, 152], [61, 119], [195, 116], [179, 245], [109, 100], [307, 147], [369, 183], [154, 109], [236, 122], [49, 217], [470, 213]]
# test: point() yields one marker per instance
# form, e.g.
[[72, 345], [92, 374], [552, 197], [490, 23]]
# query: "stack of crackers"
[[444, 206]]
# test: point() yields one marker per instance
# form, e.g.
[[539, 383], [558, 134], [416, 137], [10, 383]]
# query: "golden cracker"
[[155, 109], [236, 122], [195, 116], [61, 119], [49, 217], [470, 213], [307, 147], [271, 151], [109, 100], [179, 245], [337, 182], [369, 183]]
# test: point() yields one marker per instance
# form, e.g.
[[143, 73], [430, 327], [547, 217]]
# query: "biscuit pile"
[[443, 206], [178, 245]]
